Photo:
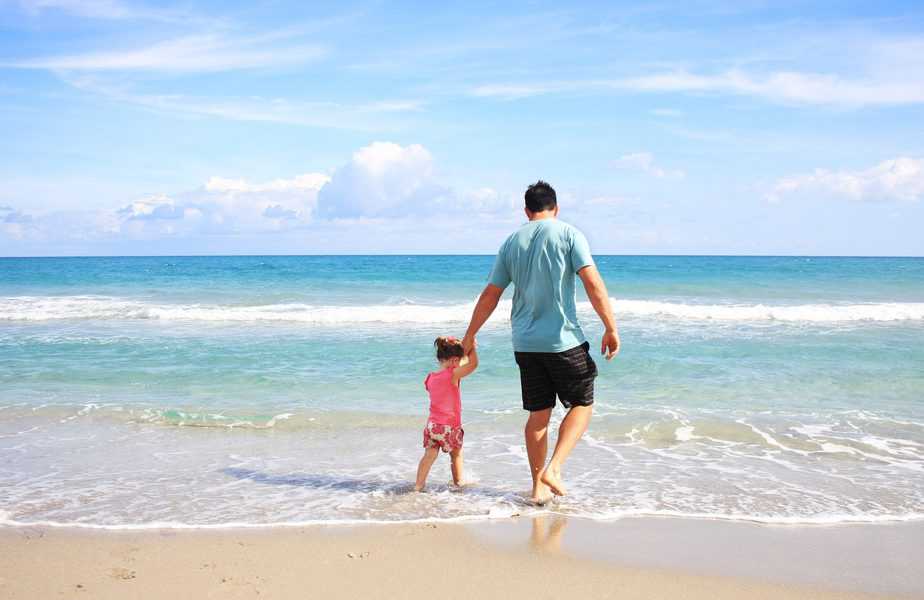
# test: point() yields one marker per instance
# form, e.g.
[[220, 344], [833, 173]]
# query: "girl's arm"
[[464, 370]]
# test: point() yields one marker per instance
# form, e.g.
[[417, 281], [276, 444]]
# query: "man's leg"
[[537, 447], [572, 428]]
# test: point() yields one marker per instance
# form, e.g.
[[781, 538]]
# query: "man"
[[541, 259]]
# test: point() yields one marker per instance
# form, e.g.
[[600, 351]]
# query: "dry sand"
[[376, 561]]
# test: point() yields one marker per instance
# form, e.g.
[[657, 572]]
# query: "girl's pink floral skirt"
[[445, 437]]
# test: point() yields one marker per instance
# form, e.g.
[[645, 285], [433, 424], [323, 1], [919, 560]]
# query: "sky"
[[697, 127]]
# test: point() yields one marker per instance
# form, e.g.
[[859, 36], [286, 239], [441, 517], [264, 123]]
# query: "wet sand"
[[547, 557]]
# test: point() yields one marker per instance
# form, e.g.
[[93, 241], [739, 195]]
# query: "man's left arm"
[[600, 299], [583, 264], [498, 281], [486, 304]]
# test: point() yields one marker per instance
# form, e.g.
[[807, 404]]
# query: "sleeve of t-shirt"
[[580, 252], [500, 275]]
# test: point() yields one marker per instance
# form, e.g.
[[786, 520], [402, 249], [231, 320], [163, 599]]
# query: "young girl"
[[444, 427]]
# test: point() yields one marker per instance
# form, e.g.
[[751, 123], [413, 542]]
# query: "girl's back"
[[445, 398]]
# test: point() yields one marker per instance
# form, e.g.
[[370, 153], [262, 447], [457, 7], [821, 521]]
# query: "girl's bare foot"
[[552, 478]]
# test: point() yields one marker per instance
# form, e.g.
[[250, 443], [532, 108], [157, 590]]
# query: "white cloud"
[[278, 211], [189, 54], [223, 206], [390, 192], [896, 180], [10, 215], [645, 163], [153, 208], [382, 179], [308, 181], [383, 185]]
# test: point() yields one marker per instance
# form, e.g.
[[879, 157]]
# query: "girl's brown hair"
[[448, 347]]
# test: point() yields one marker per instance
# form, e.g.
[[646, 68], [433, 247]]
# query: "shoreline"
[[544, 555], [474, 520]]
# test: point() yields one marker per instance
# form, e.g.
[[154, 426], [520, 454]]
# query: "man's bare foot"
[[552, 478], [418, 488], [541, 494]]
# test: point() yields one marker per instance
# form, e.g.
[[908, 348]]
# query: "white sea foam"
[[673, 470], [810, 313], [684, 434], [493, 515], [49, 308]]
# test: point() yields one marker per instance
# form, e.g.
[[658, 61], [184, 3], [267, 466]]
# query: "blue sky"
[[273, 127]]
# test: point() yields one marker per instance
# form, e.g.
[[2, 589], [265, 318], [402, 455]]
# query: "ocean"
[[285, 390]]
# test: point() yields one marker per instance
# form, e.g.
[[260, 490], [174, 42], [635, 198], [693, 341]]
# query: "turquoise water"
[[208, 391]]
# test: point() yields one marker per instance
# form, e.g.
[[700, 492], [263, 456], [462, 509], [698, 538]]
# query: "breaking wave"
[[49, 308]]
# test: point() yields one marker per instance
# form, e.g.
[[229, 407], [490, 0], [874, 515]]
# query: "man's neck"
[[542, 216]]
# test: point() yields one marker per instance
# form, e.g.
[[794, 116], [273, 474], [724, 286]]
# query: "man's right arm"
[[486, 304], [600, 299]]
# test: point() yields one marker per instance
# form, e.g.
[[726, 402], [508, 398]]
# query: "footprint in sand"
[[121, 573]]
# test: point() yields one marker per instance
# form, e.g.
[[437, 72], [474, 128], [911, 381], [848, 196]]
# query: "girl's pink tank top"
[[445, 398]]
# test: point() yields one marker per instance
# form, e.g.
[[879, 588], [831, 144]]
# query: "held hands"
[[610, 345], [469, 344]]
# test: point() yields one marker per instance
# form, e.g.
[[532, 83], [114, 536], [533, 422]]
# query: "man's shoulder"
[[565, 232], [516, 235], [547, 229], [568, 227], [509, 240]]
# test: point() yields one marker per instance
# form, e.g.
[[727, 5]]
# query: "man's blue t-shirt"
[[542, 258]]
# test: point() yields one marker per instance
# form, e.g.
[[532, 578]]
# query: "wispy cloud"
[[105, 10], [506, 91], [896, 180], [188, 54], [644, 162], [382, 115], [671, 113], [785, 87]]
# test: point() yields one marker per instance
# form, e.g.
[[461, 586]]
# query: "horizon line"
[[428, 254]]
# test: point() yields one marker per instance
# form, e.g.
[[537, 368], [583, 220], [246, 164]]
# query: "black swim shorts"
[[568, 375]]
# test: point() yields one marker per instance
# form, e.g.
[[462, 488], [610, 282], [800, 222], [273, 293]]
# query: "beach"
[[541, 557], [650, 275]]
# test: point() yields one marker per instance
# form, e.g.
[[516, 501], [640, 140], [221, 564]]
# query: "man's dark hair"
[[540, 196]]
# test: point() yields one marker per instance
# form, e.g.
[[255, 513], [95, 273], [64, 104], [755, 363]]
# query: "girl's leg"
[[455, 457], [423, 469]]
